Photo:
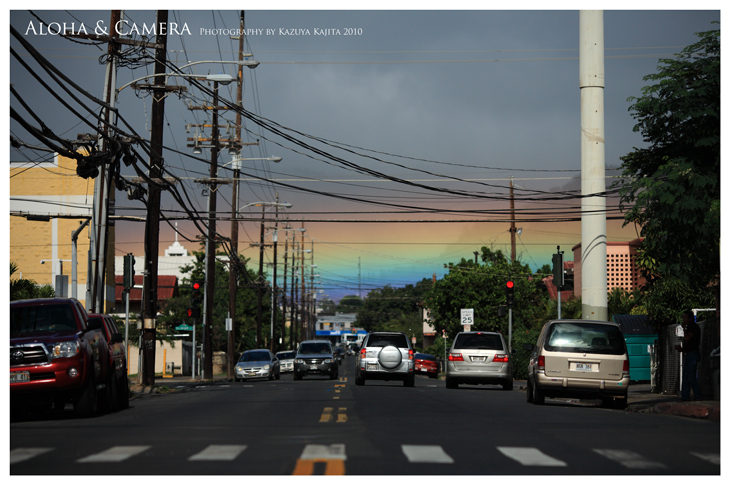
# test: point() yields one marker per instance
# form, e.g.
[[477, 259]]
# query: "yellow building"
[[42, 249]]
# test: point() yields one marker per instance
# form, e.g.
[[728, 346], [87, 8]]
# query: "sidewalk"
[[641, 400]]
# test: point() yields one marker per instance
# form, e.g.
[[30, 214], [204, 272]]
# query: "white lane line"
[[530, 456], [21, 454], [219, 453], [324, 452], [426, 454], [630, 459], [114, 454], [713, 458]]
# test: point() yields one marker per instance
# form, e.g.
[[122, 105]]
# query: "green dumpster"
[[639, 338]]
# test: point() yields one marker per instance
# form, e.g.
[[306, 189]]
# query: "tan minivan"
[[583, 359]]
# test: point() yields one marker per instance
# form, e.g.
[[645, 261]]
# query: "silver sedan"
[[257, 364]]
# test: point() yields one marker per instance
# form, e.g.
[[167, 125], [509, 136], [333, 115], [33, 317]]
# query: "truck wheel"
[[86, 403], [359, 381], [451, 384], [409, 381], [123, 393], [508, 385], [113, 396]]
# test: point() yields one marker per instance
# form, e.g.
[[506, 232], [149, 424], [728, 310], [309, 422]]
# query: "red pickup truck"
[[57, 355], [117, 384]]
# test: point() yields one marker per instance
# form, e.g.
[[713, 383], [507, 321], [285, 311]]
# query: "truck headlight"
[[67, 349]]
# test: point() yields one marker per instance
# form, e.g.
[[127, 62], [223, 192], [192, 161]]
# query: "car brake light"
[[626, 366], [541, 362], [363, 352], [501, 358], [456, 358], [410, 354]]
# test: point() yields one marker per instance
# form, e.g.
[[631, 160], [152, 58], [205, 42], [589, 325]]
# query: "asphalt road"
[[320, 426]]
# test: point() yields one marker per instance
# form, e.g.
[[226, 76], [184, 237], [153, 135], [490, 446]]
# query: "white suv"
[[385, 356]]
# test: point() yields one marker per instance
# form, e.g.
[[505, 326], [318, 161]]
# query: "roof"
[[634, 324], [166, 287], [553, 290]]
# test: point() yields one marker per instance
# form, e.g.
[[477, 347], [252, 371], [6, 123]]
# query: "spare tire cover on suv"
[[390, 357]]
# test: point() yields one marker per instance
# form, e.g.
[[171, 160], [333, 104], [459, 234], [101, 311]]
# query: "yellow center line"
[[332, 467]]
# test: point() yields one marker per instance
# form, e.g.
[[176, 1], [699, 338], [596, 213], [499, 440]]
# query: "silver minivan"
[[479, 358], [583, 359]]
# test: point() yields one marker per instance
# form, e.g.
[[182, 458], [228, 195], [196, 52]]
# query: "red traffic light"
[[510, 284], [196, 285], [190, 312]]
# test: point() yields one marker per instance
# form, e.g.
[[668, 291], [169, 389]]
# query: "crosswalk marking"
[[713, 458], [114, 454], [21, 454], [426, 454], [333, 456], [530, 456], [629, 459], [219, 453]]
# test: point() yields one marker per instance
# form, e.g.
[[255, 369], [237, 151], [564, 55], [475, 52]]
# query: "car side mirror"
[[117, 338], [94, 323], [528, 347]]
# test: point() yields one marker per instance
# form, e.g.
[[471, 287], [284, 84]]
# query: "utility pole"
[[512, 229], [283, 293], [260, 280], [273, 278], [593, 166], [102, 187], [152, 224], [303, 318], [210, 246], [233, 268], [293, 326]]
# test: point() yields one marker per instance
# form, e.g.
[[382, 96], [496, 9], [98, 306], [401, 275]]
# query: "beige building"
[[621, 268], [59, 200]]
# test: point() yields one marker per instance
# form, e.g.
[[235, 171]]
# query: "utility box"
[[639, 338]]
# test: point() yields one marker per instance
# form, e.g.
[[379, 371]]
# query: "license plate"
[[477, 359], [313, 367], [584, 367], [372, 366], [19, 377]]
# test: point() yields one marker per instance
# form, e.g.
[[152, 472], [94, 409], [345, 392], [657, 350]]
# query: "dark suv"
[[56, 355], [315, 357], [385, 356], [117, 384]]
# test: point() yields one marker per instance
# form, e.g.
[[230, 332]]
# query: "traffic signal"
[[558, 272], [510, 293], [196, 299], [128, 271]]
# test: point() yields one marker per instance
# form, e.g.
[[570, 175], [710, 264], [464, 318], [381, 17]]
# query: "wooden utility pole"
[[152, 225], [233, 269], [283, 294], [274, 303], [512, 229]]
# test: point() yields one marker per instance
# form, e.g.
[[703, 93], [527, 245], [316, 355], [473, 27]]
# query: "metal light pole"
[[593, 167]]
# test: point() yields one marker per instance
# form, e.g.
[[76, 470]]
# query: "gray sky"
[[494, 90]]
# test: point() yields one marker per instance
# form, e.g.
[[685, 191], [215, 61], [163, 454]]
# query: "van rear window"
[[595, 338]]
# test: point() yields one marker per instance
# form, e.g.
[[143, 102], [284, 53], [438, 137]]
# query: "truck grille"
[[28, 355]]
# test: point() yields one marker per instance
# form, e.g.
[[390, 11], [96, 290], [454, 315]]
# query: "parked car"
[[426, 364], [56, 356], [479, 358], [117, 396], [286, 360], [315, 357], [385, 356], [584, 359], [255, 364]]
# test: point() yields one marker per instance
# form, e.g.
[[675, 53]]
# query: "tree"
[[24, 289], [672, 187], [394, 309], [349, 304], [483, 288]]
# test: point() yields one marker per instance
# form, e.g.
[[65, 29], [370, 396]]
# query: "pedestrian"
[[690, 347]]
